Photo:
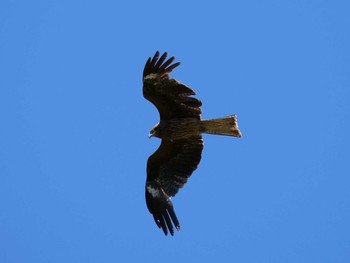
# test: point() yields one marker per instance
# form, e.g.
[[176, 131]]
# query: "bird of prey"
[[180, 128]]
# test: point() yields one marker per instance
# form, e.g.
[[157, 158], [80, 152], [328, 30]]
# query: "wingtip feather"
[[158, 66]]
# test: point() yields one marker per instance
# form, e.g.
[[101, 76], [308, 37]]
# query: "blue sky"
[[74, 126]]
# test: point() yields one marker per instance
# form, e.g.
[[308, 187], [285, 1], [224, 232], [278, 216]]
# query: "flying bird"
[[180, 128]]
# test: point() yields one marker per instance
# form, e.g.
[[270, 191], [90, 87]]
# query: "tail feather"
[[222, 126]]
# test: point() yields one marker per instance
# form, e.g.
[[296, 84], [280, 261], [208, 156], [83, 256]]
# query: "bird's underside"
[[183, 128], [180, 129]]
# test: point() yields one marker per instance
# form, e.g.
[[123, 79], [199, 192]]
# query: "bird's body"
[[183, 128], [176, 129], [180, 129]]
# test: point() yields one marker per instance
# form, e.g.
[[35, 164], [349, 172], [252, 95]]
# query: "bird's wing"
[[167, 171], [171, 97]]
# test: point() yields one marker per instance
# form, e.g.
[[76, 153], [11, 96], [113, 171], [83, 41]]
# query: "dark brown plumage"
[[180, 129]]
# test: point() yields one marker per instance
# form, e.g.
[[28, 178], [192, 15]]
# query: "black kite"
[[180, 129]]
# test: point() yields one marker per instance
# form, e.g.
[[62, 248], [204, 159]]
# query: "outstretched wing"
[[171, 97], [167, 171]]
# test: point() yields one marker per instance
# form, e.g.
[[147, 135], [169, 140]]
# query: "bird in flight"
[[180, 128]]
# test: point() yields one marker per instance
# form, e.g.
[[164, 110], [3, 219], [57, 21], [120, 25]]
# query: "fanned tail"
[[222, 126]]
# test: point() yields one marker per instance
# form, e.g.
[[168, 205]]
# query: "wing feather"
[[173, 163], [171, 97], [168, 169], [155, 58], [161, 60]]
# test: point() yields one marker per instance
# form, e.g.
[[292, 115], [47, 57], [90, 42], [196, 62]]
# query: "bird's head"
[[154, 132]]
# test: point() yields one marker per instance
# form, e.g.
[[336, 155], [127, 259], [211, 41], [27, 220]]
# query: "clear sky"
[[74, 126]]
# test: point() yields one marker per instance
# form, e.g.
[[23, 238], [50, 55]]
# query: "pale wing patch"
[[153, 191], [152, 76]]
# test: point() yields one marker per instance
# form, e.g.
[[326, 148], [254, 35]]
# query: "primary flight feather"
[[180, 128]]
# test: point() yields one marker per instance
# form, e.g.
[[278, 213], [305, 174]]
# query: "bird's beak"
[[150, 135]]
